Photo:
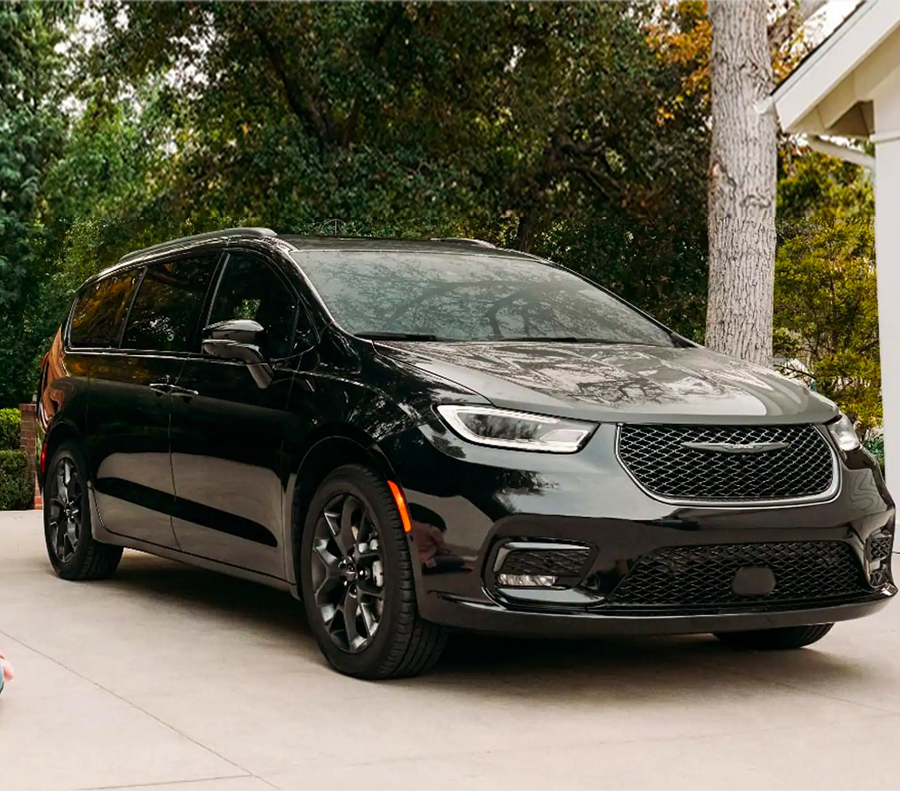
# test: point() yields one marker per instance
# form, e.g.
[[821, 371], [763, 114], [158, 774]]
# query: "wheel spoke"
[[345, 538], [369, 620], [61, 541], [349, 607], [72, 533], [326, 558], [325, 593], [328, 611], [62, 492], [367, 558], [365, 528]]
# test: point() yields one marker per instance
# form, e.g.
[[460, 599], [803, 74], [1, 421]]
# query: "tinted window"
[[100, 310], [250, 289], [470, 297], [167, 307]]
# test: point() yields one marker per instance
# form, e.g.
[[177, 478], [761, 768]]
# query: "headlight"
[[844, 434], [503, 428]]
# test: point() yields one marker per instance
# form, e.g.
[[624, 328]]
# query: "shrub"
[[10, 426], [16, 488], [875, 446]]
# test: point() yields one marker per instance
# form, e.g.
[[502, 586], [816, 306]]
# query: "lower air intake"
[[705, 575]]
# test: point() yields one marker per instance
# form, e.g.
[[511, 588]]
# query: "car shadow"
[[563, 667]]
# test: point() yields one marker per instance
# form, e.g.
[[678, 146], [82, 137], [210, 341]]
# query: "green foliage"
[[16, 488], [875, 446], [394, 119], [31, 138], [10, 426], [577, 131], [826, 312]]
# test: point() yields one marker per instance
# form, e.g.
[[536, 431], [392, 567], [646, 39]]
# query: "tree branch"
[[784, 27], [348, 134], [309, 115]]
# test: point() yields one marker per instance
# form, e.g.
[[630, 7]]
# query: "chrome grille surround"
[[654, 457]]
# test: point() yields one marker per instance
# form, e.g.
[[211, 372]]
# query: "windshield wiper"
[[396, 336], [561, 339]]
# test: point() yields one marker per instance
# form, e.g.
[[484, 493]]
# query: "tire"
[[784, 639], [73, 551], [361, 633]]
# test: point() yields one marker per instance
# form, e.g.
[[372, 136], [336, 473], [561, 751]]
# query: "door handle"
[[182, 392], [162, 388]]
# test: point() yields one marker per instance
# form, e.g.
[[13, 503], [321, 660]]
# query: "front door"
[[129, 405], [227, 430]]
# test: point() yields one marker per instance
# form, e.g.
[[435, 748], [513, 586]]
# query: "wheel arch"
[[57, 433], [333, 448]]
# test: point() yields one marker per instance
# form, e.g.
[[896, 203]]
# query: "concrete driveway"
[[168, 676]]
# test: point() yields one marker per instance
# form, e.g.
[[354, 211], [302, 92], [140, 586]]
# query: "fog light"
[[526, 580]]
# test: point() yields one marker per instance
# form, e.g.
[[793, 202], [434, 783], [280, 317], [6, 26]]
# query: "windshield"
[[466, 297]]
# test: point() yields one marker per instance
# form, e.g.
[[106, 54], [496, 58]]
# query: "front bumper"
[[480, 616], [470, 501]]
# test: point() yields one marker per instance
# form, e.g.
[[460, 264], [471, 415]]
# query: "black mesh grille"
[[658, 459], [559, 563], [804, 570], [880, 547]]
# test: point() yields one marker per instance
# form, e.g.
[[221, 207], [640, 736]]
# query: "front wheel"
[[784, 639], [73, 551], [356, 576]]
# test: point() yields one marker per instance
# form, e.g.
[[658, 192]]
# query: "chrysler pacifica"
[[411, 436]]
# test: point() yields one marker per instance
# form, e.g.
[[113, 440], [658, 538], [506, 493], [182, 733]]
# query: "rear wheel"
[[356, 576], [73, 551], [784, 639]]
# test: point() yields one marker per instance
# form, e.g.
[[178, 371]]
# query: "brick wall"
[[28, 441]]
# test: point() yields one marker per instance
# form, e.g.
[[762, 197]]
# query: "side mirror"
[[239, 330], [238, 339]]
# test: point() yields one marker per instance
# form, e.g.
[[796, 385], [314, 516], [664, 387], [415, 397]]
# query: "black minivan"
[[416, 435]]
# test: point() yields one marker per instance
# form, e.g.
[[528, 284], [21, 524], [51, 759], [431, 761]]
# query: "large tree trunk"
[[742, 181]]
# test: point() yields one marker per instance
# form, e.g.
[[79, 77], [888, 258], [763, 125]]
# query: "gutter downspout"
[[845, 153]]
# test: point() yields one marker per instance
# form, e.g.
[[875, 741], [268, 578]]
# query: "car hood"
[[618, 382]]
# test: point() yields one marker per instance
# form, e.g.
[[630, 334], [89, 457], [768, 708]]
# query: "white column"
[[887, 256]]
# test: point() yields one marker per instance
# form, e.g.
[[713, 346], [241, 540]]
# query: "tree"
[[555, 134], [741, 183], [746, 38], [826, 312], [400, 119], [31, 136]]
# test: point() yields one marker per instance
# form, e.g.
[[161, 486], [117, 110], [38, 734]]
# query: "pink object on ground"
[[7, 668]]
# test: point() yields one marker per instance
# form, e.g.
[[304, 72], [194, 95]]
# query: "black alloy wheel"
[[73, 551], [357, 580], [65, 499], [348, 572]]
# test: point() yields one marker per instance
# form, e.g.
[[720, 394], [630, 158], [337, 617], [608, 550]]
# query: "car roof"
[[373, 245], [298, 243]]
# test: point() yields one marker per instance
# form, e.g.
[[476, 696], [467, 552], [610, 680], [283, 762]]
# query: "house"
[[849, 87]]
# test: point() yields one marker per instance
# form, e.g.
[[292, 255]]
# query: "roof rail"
[[463, 240], [200, 237]]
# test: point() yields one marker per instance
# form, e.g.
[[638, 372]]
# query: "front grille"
[[557, 563], [703, 575], [657, 458]]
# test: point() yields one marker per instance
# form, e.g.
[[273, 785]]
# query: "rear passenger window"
[[100, 310], [167, 307]]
